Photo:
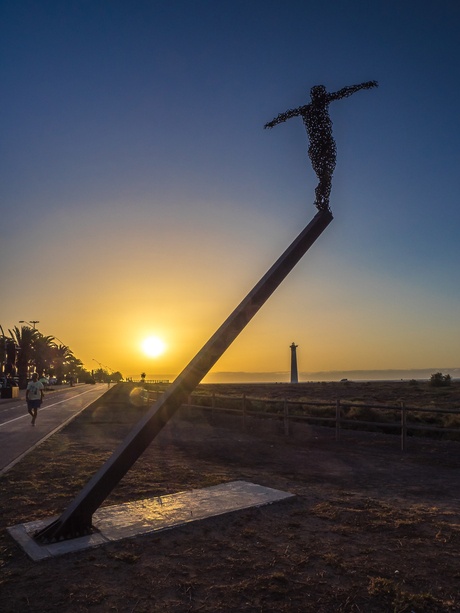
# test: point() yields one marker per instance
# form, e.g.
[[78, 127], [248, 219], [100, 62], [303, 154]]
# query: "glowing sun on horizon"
[[153, 346]]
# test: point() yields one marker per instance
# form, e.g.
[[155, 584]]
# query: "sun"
[[153, 346]]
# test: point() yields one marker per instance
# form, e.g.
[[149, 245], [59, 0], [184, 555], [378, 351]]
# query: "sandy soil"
[[371, 529]]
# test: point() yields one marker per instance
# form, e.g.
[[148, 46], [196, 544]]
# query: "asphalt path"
[[18, 436]]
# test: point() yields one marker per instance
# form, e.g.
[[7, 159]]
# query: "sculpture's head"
[[317, 91]]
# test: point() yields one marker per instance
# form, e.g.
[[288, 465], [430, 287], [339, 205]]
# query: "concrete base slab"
[[151, 515]]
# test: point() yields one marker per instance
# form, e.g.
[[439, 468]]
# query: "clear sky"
[[141, 196]]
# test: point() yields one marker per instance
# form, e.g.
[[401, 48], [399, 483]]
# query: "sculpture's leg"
[[319, 200], [76, 519]]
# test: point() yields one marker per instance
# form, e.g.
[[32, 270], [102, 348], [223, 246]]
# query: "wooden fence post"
[[213, 406], [286, 418], [243, 411], [337, 419], [403, 426]]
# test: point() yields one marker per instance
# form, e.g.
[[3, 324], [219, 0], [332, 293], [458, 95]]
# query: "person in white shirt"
[[34, 396]]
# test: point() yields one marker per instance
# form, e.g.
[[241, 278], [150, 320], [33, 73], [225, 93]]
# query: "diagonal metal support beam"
[[76, 519]]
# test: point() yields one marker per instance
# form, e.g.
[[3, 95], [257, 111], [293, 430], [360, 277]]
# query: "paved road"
[[18, 436]]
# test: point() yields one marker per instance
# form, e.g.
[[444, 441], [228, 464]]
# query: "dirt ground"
[[372, 529]]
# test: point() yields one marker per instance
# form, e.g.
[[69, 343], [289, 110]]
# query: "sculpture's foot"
[[322, 205]]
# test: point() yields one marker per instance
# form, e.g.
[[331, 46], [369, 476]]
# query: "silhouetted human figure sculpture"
[[322, 151]]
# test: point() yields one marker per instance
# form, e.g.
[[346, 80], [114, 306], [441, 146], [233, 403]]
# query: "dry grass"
[[371, 392], [391, 393], [370, 530]]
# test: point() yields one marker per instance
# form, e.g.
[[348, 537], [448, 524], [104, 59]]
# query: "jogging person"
[[34, 396]]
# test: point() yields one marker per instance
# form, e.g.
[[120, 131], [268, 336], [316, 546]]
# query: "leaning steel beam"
[[76, 519]]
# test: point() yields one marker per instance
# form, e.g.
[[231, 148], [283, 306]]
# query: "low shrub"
[[439, 380], [365, 414]]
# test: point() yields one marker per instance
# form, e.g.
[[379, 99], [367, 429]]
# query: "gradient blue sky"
[[141, 196]]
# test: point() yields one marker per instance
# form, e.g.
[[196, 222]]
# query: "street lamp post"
[[58, 339], [22, 321], [100, 365]]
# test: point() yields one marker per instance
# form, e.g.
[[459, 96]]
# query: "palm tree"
[[3, 356], [3, 341], [24, 338], [43, 353], [61, 356], [74, 368]]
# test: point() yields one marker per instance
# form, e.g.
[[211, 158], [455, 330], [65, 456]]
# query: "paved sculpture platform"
[[151, 515]]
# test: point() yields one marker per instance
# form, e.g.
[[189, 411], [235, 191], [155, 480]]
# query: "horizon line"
[[322, 375]]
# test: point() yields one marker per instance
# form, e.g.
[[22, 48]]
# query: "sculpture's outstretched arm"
[[348, 91], [287, 115]]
